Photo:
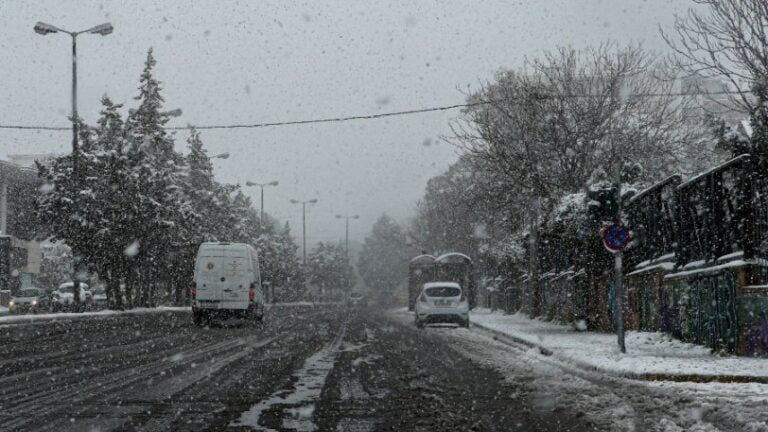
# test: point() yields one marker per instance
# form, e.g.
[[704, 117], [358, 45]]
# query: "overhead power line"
[[372, 116], [279, 123]]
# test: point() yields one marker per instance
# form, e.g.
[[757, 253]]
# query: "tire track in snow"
[[28, 410], [297, 406]]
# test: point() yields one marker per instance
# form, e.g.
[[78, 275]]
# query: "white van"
[[227, 282]]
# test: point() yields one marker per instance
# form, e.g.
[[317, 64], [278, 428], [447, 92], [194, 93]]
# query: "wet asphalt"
[[327, 368]]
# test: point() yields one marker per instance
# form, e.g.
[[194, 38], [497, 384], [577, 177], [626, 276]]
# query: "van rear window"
[[443, 292]]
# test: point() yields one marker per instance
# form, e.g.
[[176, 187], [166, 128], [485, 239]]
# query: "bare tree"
[[540, 132], [730, 41]]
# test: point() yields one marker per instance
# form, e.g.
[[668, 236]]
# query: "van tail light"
[[194, 291], [463, 299], [252, 292], [423, 298]]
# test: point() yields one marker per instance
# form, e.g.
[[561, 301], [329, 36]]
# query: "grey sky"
[[260, 61]]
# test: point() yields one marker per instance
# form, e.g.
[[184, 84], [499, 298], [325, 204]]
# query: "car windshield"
[[29, 293], [442, 291], [369, 215]]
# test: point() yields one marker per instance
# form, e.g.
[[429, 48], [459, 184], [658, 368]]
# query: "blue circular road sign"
[[616, 237]]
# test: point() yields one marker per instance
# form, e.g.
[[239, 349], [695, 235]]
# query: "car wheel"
[[465, 324], [419, 324]]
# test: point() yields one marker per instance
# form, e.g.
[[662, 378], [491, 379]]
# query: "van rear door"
[[208, 274], [237, 277], [223, 276]]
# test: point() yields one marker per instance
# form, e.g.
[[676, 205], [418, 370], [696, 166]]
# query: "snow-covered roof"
[[441, 284], [724, 165], [72, 284], [661, 184], [449, 255], [422, 258]]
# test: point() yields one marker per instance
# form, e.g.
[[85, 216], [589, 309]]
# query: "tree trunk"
[[533, 261]]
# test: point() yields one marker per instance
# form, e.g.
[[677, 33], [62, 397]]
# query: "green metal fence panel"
[[752, 310]]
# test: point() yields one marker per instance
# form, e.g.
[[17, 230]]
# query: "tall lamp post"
[[304, 224], [346, 237], [261, 185], [101, 29]]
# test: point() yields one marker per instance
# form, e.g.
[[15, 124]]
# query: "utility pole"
[[346, 237], [261, 185], [304, 231], [103, 30], [304, 224]]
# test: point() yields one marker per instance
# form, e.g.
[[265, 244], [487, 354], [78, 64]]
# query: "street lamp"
[[261, 185], [346, 242], [304, 223], [101, 29]]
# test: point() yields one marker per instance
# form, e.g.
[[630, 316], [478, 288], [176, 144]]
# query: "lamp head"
[[43, 28], [102, 29]]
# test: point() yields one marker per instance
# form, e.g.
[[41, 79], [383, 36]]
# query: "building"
[[20, 254]]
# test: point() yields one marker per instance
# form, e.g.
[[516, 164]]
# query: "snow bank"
[[648, 353], [73, 315]]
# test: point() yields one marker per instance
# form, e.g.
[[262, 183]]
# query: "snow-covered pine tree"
[[159, 170]]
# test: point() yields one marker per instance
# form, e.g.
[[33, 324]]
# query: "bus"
[[449, 267], [421, 270]]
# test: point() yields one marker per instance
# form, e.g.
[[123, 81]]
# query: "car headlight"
[[34, 302], [11, 303]]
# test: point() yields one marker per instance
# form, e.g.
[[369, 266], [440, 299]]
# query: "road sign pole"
[[619, 301], [618, 265]]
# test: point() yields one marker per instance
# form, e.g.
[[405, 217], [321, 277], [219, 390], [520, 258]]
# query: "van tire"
[[197, 318]]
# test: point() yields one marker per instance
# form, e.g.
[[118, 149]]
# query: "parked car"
[[356, 299], [64, 296], [29, 300], [99, 298], [227, 282], [441, 302]]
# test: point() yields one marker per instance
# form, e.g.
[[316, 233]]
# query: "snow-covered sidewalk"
[[15, 319], [649, 356]]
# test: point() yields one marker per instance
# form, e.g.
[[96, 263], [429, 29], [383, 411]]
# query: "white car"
[[64, 296], [227, 282], [441, 302]]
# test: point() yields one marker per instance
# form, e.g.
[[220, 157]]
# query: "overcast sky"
[[226, 62]]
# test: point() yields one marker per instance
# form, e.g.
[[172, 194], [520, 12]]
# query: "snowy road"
[[323, 368]]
